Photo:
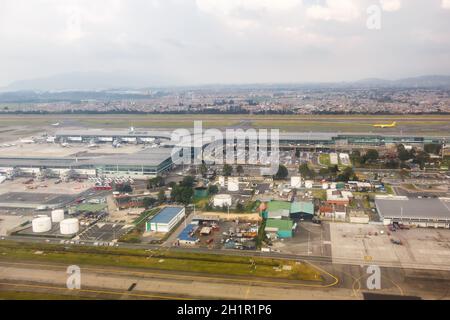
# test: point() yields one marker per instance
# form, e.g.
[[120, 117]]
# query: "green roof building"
[[283, 228], [285, 209]]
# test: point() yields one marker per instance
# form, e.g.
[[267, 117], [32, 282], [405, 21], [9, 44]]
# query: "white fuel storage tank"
[[41, 224], [57, 215], [69, 226]]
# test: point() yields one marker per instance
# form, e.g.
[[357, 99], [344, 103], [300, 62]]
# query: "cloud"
[[245, 14], [337, 10], [227, 7], [222, 41], [391, 5], [445, 4]]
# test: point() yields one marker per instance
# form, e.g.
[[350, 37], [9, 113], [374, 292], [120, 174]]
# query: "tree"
[[188, 181], [162, 196], [305, 171], [239, 207], [227, 170], [421, 158], [203, 169], [213, 189], [155, 182], [346, 175], [370, 156], [282, 172], [125, 188], [239, 170], [355, 156], [172, 184], [433, 148], [186, 195], [402, 153], [148, 202], [324, 172]]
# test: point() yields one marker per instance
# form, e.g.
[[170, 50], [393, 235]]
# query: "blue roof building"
[[166, 219]]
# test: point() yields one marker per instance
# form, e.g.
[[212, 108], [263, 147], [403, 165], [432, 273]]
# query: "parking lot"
[[105, 232], [419, 248]]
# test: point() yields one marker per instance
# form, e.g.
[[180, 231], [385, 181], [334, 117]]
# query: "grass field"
[[324, 159], [160, 260]]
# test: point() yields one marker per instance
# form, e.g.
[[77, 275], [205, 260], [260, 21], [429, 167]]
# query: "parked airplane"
[[26, 141], [392, 125], [55, 124]]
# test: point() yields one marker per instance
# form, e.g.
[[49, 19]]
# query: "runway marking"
[[247, 291], [355, 280], [395, 284], [336, 279], [111, 270], [93, 291]]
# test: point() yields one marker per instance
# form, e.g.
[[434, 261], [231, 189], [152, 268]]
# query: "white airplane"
[[55, 124], [26, 141], [64, 144]]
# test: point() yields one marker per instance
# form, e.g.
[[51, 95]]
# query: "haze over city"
[[190, 42]]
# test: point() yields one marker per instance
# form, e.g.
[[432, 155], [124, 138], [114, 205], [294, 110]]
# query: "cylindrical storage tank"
[[324, 186], [333, 186], [221, 200], [41, 224], [57, 215], [69, 226], [296, 182], [233, 184]]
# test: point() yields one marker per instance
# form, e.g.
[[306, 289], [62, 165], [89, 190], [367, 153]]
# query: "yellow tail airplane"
[[392, 125]]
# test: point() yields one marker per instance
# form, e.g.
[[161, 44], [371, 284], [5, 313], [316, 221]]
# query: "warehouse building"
[[187, 236], [166, 219], [295, 210], [414, 211], [280, 228]]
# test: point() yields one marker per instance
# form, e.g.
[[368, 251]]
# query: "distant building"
[[338, 197], [340, 213], [358, 216], [166, 219]]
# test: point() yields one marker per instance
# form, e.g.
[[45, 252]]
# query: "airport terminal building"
[[145, 164]]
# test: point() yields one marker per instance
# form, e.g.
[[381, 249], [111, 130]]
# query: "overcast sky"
[[224, 41]]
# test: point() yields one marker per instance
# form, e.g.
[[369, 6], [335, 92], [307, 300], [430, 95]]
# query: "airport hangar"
[[430, 212], [144, 164]]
